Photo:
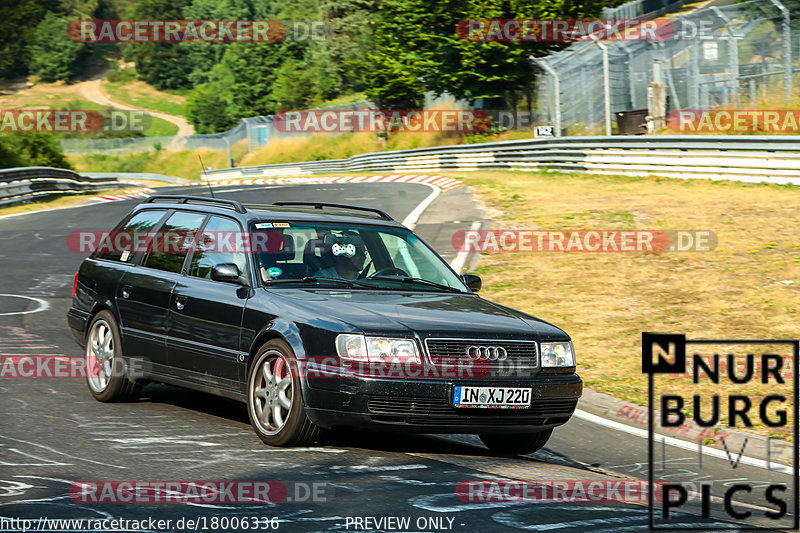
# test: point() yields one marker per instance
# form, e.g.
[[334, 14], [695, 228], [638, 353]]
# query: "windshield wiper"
[[322, 279], [421, 281]]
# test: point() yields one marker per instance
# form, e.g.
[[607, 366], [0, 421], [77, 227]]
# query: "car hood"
[[428, 314]]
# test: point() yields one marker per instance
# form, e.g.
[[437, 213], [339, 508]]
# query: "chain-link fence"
[[729, 55], [257, 131]]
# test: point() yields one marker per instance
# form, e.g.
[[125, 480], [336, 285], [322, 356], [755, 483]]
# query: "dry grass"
[[50, 95], [605, 301]]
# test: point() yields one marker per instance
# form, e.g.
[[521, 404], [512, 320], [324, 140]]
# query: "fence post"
[[733, 53], [787, 48], [557, 89], [674, 103], [694, 75], [606, 87]]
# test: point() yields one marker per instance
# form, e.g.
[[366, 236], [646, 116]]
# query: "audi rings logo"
[[488, 353]]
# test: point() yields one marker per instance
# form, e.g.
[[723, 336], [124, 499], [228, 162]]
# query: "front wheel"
[[274, 400], [516, 443], [106, 372]]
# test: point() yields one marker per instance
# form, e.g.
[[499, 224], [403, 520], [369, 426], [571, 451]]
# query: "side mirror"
[[229, 273], [472, 281]]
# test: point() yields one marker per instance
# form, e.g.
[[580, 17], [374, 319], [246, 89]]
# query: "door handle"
[[180, 302], [126, 291]]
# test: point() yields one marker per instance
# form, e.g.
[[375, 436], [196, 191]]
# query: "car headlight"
[[377, 349], [557, 354]]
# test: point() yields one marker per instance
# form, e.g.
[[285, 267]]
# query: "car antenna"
[[206, 176]]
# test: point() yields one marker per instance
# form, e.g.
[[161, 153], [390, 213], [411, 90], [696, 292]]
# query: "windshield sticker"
[[262, 225], [274, 272], [280, 225], [124, 256]]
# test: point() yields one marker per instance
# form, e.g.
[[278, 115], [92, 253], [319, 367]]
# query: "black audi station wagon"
[[316, 316]]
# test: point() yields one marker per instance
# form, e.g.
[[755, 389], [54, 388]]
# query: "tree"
[[293, 87], [159, 64], [18, 30], [207, 109], [417, 49], [54, 56]]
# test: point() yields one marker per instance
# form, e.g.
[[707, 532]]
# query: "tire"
[[274, 398], [516, 443], [106, 371]]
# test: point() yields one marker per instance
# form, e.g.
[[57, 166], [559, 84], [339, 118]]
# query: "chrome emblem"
[[487, 353]]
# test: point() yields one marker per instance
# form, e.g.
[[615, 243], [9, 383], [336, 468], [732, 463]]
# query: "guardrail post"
[[556, 89], [787, 48]]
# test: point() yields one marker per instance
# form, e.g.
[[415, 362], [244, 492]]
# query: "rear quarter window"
[[143, 221]]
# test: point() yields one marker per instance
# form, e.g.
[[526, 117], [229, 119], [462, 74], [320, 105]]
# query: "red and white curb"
[[444, 183]]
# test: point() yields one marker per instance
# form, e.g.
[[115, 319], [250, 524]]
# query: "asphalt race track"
[[53, 433]]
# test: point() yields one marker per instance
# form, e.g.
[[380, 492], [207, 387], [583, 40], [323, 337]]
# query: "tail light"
[[75, 284]]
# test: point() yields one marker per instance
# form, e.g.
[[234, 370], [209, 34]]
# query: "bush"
[[31, 150]]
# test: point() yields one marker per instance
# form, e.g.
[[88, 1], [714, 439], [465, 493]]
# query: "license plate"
[[492, 397]]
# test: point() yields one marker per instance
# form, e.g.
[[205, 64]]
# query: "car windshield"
[[360, 257]]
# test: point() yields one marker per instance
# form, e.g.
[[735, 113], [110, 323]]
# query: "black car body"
[[203, 324]]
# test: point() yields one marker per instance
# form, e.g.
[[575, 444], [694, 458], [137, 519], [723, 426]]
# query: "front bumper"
[[424, 405]]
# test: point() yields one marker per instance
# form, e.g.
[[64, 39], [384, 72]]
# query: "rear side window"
[[141, 222], [168, 252]]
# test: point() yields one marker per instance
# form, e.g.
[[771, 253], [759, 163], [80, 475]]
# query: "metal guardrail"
[[749, 158], [26, 183]]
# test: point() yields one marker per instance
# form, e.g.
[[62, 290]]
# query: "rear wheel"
[[106, 372], [274, 400], [516, 443]]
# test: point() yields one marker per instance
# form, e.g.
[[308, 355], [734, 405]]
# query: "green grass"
[[183, 164], [140, 94]]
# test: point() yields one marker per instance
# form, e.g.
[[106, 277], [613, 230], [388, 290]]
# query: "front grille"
[[521, 354], [440, 410]]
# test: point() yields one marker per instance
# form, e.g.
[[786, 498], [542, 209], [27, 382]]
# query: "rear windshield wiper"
[[420, 281], [321, 279]]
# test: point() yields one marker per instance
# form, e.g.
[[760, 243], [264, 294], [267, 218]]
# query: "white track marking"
[[43, 305], [672, 441], [461, 258], [411, 220]]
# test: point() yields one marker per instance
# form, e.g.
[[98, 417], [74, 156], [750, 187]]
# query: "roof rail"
[[320, 205], [230, 204]]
